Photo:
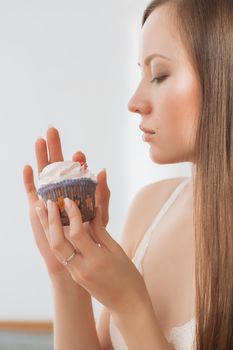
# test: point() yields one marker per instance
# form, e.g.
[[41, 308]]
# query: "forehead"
[[160, 35]]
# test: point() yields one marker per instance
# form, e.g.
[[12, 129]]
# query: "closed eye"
[[159, 79]]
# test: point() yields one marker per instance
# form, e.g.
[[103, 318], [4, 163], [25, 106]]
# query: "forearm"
[[140, 329], [74, 323]]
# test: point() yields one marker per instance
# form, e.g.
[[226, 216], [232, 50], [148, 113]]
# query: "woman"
[[177, 293]]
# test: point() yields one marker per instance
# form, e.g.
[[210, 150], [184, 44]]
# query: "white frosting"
[[64, 170]]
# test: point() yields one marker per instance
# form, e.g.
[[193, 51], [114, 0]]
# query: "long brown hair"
[[206, 28]]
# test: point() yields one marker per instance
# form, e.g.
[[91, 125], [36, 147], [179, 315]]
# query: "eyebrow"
[[149, 58]]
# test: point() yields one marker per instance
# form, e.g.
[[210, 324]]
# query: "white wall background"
[[71, 64]]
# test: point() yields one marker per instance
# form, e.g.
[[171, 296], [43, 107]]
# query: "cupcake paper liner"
[[81, 191]]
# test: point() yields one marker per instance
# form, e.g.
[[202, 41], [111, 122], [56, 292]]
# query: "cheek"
[[179, 109]]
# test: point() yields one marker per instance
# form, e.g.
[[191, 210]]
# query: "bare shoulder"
[[145, 205]]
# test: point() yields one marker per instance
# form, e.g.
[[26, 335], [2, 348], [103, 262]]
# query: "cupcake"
[[69, 179]]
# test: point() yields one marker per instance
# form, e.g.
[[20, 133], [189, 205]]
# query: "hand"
[[55, 154], [105, 272]]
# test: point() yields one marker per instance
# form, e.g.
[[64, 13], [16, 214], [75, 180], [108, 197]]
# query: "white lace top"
[[182, 337]]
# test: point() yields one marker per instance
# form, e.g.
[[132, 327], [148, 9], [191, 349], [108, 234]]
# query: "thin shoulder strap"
[[141, 249]]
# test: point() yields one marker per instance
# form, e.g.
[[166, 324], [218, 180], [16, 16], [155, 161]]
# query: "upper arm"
[[132, 227]]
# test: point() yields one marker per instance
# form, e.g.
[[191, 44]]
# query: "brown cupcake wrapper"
[[81, 191]]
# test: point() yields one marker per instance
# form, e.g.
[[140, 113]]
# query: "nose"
[[139, 105]]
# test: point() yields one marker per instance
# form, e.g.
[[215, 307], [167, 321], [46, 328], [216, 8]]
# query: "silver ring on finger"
[[67, 260]]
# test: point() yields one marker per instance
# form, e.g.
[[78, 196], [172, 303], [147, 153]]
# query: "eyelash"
[[159, 80]]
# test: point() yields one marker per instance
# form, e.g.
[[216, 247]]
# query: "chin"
[[163, 159]]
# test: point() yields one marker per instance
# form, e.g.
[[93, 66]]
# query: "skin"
[[169, 107], [96, 269], [49, 151]]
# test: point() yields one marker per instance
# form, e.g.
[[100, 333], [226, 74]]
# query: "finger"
[[58, 243], [102, 195], [78, 235], [41, 154], [29, 184], [79, 157], [42, 214], [66, 254], [102, 190], [54, 145]]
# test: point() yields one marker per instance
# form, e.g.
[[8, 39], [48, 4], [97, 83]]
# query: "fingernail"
[[105, 171], [39, 212], [68, 203], [49, 204], [51, 126]]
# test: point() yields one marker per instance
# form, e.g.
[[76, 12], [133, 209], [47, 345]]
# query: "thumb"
[[102, 195]]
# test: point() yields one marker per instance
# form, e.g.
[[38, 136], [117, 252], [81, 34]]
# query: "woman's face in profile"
[[170, 105]]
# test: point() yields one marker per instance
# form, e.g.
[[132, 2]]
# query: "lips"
[[147, 131]]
